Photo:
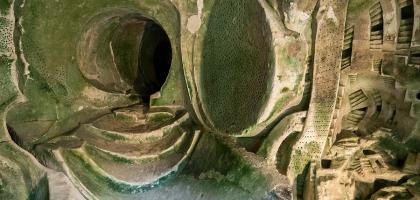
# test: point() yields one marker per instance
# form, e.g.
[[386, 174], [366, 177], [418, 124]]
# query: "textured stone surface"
[[209, 99]]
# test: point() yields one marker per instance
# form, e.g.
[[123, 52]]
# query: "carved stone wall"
[[209, 99]]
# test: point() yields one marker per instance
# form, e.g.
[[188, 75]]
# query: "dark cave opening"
[[155, 57], [346, 53], [125, 53], [378, 27], [326, 163], [418, 95], [407, 12], [368, 152]]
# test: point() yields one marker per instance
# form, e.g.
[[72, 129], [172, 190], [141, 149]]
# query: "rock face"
[[210, 99]]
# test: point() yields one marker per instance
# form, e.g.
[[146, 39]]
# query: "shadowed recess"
[[154, 60], [125, 52]]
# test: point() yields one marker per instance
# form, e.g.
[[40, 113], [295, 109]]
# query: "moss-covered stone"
[[21, 177], [7, 88], [235, 63], [5, 6]]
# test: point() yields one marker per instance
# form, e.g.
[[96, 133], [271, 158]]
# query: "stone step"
[[153, 141], [415, 60], [140, 152], [132, 167], [377, 17], [113, 176], [359, 101], [406, 25], [375, 7], [349, 30], [347, 43], [348, 37], [408, 33], [402, 46], [404, 3], [375, 10], [376, 37], [404, 39], [376, 42]]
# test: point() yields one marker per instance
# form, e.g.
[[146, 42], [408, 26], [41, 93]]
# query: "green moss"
[[248, 178], [101, 185], [398, 150], [284, 55], [280, 104], [6, 32], [192, 6], [298, 161], [5, 6], [7, 88], [301, 181], [413, 144], [123, 117], [88, 175], [12, 184], [284, 153], [234, 169], [55, 86], [312, 147], [22, 176], [298, 81], [41, 191], [52, 47], [112, 136], [94, 152], [159, 117], [235, 63]]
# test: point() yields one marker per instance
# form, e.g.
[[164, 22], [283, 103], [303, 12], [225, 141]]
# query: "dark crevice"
[[363, 109], [347, 53], [155, 59], [378, 27], [379, 164], [379, 108], [394, 113], [415, 55], [407, 12], [326, 163], [284, 153], [14, 136], [368, 152]]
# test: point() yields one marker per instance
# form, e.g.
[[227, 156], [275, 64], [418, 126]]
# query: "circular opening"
[[125, 53], [418, 96]]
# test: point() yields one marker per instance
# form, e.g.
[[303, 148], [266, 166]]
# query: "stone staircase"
[[357, 98], [377, 66], [376, 20], [415, 57], [377, 99], [128, 151], [347, 48], [389, 81], [405, 31], [355, 116], [404, 34], [351, 142], [356, 166], [352, 78]]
